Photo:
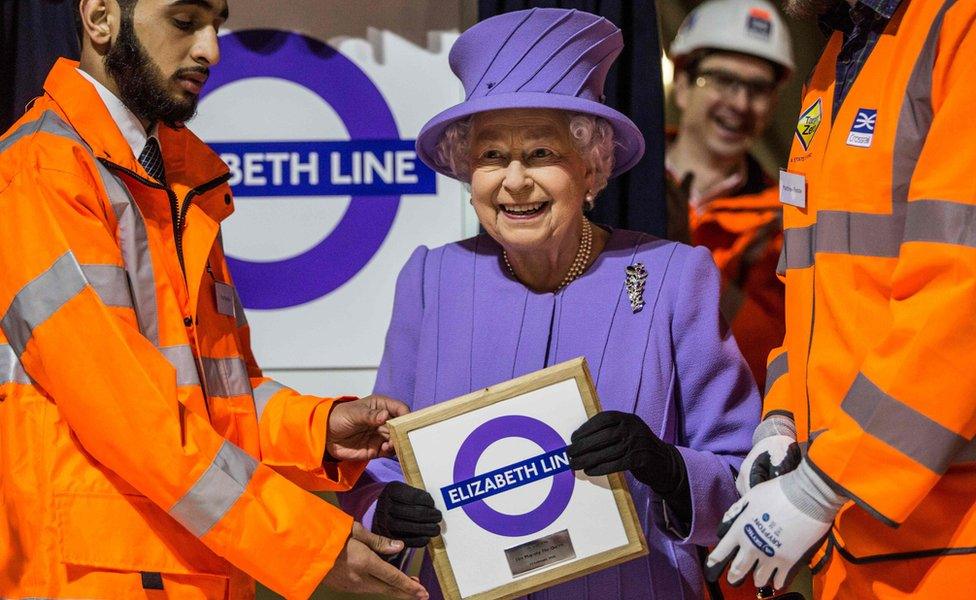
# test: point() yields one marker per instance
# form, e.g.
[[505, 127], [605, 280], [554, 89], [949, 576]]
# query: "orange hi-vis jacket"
[[880, 272], [140, 446], [744, 233]]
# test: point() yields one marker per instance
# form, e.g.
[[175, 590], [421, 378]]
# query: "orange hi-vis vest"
[[880, 271], [140, 446], [744, 234]]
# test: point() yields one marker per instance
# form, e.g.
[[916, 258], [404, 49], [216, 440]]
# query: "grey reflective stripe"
[[37, 301], [182, 359], [11, 371], [263, 393], [915, 116], [798, 247], [110, 283], [840, 232], [966, 455], [941, 221], [775, 370], [225, 376], [860, 234], [215, 491], [239, 310], [48, 122], [781, 263], [901, 426], [134, 243]]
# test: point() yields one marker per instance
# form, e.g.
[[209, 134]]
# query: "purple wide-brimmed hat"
[[538, 58]]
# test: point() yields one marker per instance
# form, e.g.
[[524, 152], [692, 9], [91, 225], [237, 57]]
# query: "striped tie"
[[152, 160]]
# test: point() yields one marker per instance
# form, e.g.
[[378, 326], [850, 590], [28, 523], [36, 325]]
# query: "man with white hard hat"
[[730, 58]]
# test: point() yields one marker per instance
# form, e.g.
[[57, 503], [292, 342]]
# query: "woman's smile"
[[524, 211]]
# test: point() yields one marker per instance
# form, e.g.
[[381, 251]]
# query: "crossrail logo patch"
[[862, 131]]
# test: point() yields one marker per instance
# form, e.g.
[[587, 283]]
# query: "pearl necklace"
[[579, 263]]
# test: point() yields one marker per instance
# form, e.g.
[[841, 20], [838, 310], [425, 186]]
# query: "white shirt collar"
[[127, 122]]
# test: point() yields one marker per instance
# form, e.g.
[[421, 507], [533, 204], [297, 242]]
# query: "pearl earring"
[[588, 202]]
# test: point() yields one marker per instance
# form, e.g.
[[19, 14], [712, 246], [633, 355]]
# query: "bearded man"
[[875, 372], [143, 452]]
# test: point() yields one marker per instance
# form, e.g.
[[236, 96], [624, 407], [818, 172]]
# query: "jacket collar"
[[189, 162], [840, 16]]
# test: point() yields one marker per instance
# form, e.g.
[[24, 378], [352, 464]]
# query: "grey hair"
[[592, 136]]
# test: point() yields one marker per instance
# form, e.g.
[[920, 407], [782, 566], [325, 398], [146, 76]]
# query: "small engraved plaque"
[[545, 551]]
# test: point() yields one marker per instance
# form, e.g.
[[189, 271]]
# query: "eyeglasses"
[[728, 84]]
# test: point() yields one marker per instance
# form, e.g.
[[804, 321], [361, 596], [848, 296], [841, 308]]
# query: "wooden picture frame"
[[576, 370]]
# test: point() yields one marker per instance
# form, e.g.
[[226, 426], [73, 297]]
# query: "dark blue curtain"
[[634, 200], [33, 34]]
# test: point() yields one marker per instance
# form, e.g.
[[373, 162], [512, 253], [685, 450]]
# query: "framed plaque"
[[516, 518]]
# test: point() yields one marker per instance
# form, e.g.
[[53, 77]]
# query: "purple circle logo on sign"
[[514, 426], [374, 167]]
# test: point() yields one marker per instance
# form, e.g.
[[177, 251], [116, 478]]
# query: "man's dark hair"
[[127, 7]]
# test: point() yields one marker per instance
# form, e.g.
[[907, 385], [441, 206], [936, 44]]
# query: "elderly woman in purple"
[[543, 284]]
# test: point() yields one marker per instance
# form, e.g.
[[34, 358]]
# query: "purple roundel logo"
[[374, 167], [469, 490]]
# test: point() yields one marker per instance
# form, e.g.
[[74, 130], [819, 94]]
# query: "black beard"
[[808, 9], [141, 82]]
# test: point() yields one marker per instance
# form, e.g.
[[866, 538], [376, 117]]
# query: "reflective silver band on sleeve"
[[916, 114], [966, 455], [134, 244], [941, 222], [775, 370], [110, 283], [216, 491], [263, 394], [11, 371], [48, 122], [37, 301], [902, 427]]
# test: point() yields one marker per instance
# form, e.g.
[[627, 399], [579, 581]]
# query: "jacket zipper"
[[179, 216], [180, 221], [178, 213]]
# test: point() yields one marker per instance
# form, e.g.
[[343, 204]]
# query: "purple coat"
[[460, 323]]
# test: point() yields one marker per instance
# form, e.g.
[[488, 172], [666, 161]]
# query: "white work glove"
[[774, 453], [775, 528]]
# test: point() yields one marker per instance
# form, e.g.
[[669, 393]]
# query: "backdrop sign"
[[375, 167], [317, 127]]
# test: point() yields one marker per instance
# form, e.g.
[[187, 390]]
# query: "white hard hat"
[[747, 26]]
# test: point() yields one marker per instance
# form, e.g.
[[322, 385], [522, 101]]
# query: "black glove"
[[406, 513], [615, 441]]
